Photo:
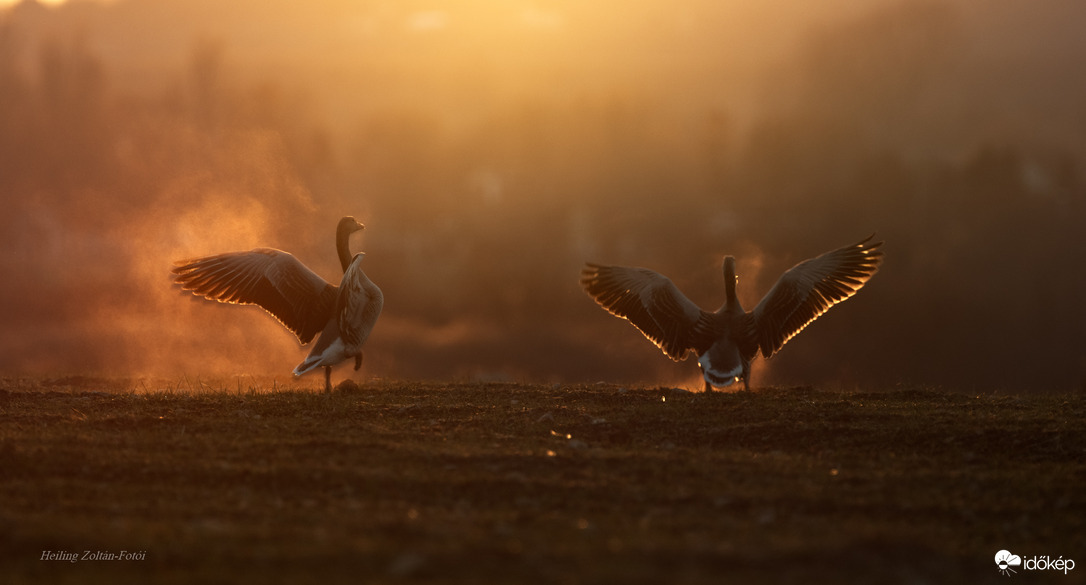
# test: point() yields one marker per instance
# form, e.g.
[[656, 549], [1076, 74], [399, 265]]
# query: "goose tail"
[[310, 364]]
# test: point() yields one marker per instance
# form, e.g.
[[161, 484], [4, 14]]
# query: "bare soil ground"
[[513, 483]]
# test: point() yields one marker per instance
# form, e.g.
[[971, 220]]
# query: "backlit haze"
[[493, 147]]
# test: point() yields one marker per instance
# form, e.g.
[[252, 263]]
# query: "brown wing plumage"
[[809, 289], [358, 305], [652, 303], [272, 279]]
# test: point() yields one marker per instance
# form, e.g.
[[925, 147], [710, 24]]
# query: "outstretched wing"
[[269, 278], [809, 289], [652, 303], [358, 305]]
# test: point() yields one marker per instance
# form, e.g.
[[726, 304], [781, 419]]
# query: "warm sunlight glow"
[[492, 148], [7, 3]]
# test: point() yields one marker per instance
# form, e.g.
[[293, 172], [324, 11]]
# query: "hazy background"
[[493, 147]]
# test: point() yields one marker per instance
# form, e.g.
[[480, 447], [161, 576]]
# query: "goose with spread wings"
[[303, 302], [727, 340]]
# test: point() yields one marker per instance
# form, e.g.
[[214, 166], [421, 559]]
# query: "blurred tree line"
[[477, 232]]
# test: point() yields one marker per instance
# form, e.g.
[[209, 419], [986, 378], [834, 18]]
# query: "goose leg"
[[708, 386], [358, 361], [327, 379]]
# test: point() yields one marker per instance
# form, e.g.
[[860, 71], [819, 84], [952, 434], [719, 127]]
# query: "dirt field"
[[505, 483]]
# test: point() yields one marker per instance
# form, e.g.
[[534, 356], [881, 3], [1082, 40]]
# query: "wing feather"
[[652, 303], [358, 305], [269, 278], [809, 289]]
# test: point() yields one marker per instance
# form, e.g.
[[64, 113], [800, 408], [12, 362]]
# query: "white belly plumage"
[[718, 376]]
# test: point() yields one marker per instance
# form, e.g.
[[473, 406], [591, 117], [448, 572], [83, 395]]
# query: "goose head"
[[347, 226], [729, 270], [730, 280]]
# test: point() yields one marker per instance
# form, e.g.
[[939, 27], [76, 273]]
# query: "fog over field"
[[492, 148]]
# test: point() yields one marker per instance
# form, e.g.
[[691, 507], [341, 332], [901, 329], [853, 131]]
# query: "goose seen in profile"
[[727, 340], [303, 302]]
